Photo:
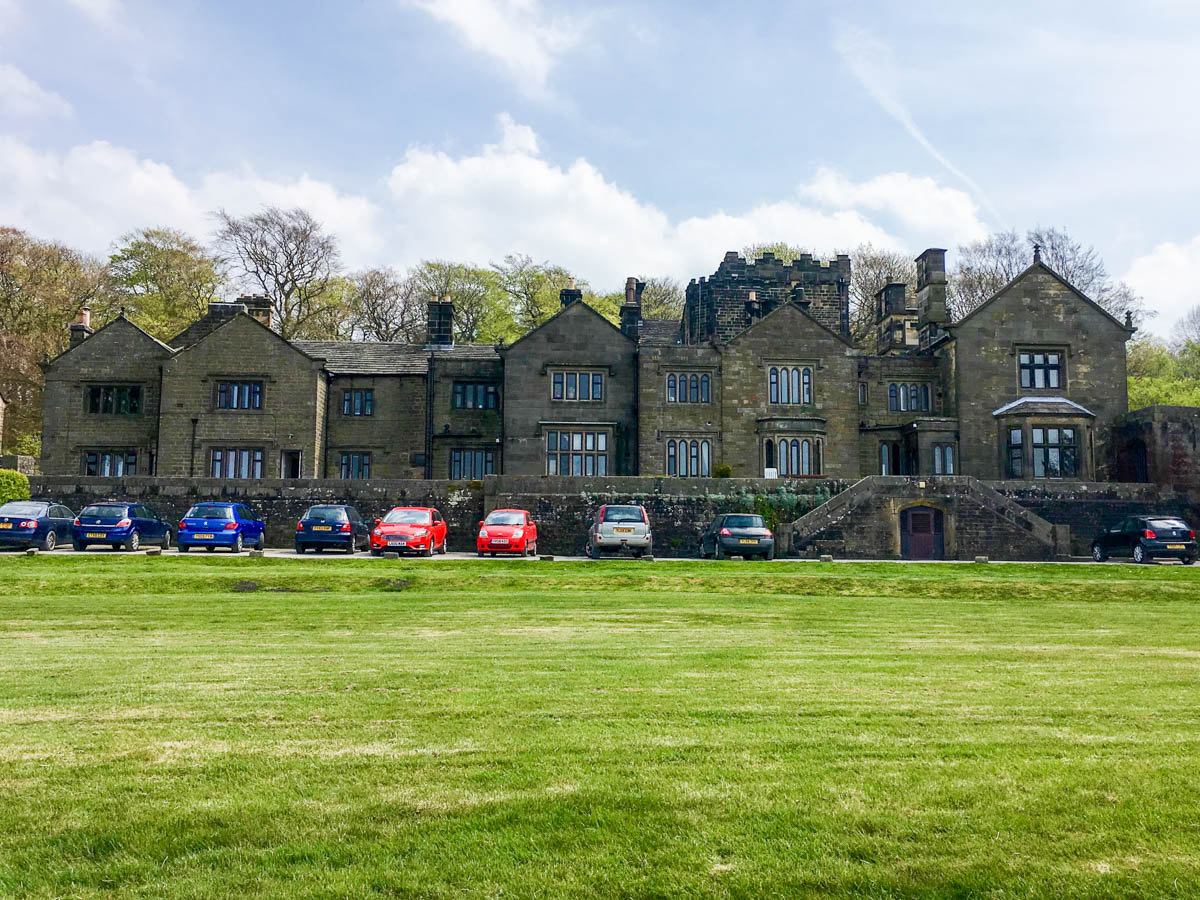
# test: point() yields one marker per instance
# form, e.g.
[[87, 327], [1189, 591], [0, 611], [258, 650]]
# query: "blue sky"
[[613, 138]]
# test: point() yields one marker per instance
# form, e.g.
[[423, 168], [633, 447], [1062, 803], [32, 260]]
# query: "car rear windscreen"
[[209, 511], [623, 514], [23, 509], [1167, 523], [326, 514], [104, 510], [407, 517], [743, 522]]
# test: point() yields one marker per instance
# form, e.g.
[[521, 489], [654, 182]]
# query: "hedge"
[[13, 485]]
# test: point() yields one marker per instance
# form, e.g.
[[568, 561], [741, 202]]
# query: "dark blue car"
[[34, 523], [212, 525], [336, 527], [120, 525]]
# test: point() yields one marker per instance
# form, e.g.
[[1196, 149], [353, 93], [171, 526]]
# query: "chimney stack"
[[440, 323], [82, 330], [258, 306], [631, 309], [931, 288], [570, 294]]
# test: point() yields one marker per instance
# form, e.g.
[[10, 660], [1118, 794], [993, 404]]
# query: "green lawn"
[[572, 729]]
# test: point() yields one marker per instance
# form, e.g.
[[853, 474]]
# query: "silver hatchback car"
[[617, 528]]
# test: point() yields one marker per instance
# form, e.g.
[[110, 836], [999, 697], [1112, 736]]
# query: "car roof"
[[510, 510], [421, 508]]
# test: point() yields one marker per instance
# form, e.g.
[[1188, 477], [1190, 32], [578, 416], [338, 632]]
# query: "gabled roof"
[[1042, 267], [799, 310], [121, 317], [388, 358], [659, 331], [243, 316], [1038, 405], [567, 310]]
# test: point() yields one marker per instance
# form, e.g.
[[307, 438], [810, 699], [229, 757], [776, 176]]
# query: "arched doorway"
[[921, 533]]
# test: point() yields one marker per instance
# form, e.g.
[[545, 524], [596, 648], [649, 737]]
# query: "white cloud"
[[1168, 277], [103, 12], [10, 15], [21, 96], [518, 34], [476, 207]]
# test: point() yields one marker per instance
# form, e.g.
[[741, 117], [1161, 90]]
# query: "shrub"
[[13, 486], [722, 470]]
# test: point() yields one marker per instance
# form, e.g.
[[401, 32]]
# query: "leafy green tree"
[[481, 313], [164, 279], [531, 289]]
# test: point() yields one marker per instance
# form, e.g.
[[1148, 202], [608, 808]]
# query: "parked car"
[[737, 534], [419, 529], [121, 525], [617, 528], [336, 527], [507, 531], [1145, 538], [215, 524], [34, 523]]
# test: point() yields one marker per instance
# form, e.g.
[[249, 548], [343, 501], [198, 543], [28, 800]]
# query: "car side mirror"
[[481, 523], [378, 521]]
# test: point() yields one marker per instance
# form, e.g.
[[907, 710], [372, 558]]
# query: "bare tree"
[[1187, 329], [286, 255], [871, 269], [387, 307], [662, 298], [784, 252]]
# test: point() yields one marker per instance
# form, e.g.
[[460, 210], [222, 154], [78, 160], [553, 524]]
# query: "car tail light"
[[767, 532], [1149, 535], [182, 525], [77, 522], [300, 525], [230, 526], [725, 531], [28, 523], [345, 526], [125, 523], [1192, 535], [645, 518]]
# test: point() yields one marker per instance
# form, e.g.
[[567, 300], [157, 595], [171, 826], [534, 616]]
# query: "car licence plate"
[[397, 543], [747, 541], [204, 537], [5, 524], [1176, 547], [322, 528], [623, 530], [499, 540], [98, 534]]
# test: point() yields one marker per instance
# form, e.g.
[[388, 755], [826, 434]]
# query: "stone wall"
[[26, 465], [1158, 444]]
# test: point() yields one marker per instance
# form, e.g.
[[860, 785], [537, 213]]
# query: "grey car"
[[618, 528], [737, 534]]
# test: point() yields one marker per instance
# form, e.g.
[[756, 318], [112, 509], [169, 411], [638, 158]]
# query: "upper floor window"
[[587, 386], [114, 399], [236, 462], [474, 395], [1040, 370], [358, 402], [685, 388], [797, 456], [862, 393], [576, 453], [792, 385], [472, 464], [1054, 453], [239, 395], [689, 458], [110, 463], [356, 465], [943, 459], [1014, 454], [907, 397]]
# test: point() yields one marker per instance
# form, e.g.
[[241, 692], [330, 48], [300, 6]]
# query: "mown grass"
[[439, 729]]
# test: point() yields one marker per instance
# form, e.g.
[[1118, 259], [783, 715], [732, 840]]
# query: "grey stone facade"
[[759, 376]]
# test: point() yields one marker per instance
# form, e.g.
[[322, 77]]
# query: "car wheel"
[[1098, 553], [237, 543], [134, 543], [1190, 560], [299, 548], [718, 551], [442, 550], [588, 551], [166, 541], [770, 554], [78, 546], [428, 552], [1140, 555], [531, 549], [51, 541], [350, 548], [210, 548], [375, 552], [184, 548], [637, 554]]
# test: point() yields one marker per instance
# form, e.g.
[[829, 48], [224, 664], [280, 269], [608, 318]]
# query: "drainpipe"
[[429, 419], [192, 462], [324, 449], [158, 424]]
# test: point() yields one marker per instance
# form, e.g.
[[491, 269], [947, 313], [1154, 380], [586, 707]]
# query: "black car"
[[1145, 538], [737, 534], [34, 523], [336, 527]]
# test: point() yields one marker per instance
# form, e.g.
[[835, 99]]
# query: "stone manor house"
[[759, 375]]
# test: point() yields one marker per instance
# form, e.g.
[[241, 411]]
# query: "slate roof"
[[660, 331], [387, 358], [200, 329], [1038, 405]]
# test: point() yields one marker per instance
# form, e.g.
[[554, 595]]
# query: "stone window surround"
[[1064, 354], [805, 380], [815, 461], [555, 371], [128, 387], [215, 381], [704, 382], [1084, 446], [687, 438]]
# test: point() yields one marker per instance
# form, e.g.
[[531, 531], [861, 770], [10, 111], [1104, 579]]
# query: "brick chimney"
[[439, 327], [631, 309], [81, 329], [570, 294], [257, 305]]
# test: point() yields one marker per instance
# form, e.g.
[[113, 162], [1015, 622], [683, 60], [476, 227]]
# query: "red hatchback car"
[[409, 529], [507, 531]]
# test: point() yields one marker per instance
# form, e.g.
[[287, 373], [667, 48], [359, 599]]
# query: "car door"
[[60, 521], [1130, 532], [439, 529], [254, 526], [531, 529]]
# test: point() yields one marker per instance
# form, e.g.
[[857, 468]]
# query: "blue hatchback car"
[[336, 527], [34, 523], [120, 525], [212, 525]]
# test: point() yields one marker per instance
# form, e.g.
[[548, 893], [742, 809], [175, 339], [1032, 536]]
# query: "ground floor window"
[[1014, 454], [794, 456], [472, 465], [356, 465], [943, 459], [576, 452], [1054, 453], [689, 458], [110, 463], [236, 462]]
